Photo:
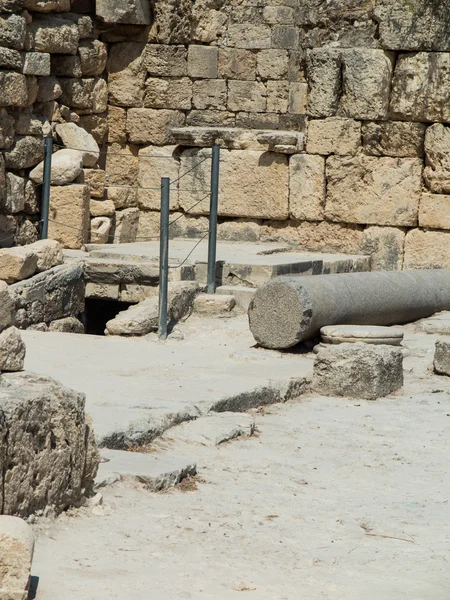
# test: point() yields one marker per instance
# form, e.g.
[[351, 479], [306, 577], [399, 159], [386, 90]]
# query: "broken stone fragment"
[[214, 303], [441, 361], [76, 138], [16, 555], [17, 263], [49, 254], [12, 350], [100, 228], [132, 12], [67, 325], [6, 307], [66, 167]]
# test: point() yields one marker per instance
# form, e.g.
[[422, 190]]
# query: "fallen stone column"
[[289, 310]]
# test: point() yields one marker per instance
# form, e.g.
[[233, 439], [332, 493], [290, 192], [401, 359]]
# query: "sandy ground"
[[331, 499]]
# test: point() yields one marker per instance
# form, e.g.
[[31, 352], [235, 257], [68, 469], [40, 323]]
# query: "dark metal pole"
[[164, 257], [213, 209], [45, 204]]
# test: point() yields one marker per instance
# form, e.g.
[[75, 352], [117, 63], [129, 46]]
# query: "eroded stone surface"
[[16, 555]]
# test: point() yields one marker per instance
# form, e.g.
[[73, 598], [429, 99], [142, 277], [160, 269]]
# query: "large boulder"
[[50, 458]]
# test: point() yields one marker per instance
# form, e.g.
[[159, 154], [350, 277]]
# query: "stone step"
[[242, 295], [156, 472]]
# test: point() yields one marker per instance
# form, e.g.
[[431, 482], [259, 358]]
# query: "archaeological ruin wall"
[[332, 117]]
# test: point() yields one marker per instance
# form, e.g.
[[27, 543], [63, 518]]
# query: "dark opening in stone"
[[99, 312]]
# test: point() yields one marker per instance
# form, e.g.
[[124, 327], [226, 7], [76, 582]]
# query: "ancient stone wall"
[[332, 118]]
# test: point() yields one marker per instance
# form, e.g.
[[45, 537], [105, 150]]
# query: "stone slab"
[[438, 324], [369, 334], [213, 429], [156, 472]]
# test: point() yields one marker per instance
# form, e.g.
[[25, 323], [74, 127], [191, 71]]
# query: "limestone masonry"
[[332, 117]]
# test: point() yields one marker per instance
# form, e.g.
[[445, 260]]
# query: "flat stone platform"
[[139, 387]]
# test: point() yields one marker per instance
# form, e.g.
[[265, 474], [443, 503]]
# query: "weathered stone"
[[437, 148], [358, 371], [235, 63], [13, 89], [212, 430], [96, 125], [12, 350], [166, 61], [213, 303], [427, 249], [27, 231], [298, 98], [120, 272], [366, 334], [10, 59], [334, 136], [324, 67], [250, 36], [17, 264], [143, 317], [6, 307], [416, 25], [172, 22], [169, 93], [393, 138], [28, 124], [12, 31], [67, 65], [16, 555], [260, 190], [434, 211], [53, 34], [54, 294], [6, 129], [385, 246], [66, 167], [203, 62], [209, 93], [34, 408], [149, 126], [247, 95], [306, 187], [86, 95], [14, 201], [93, 57], [96, 180], [277, 96], [127, 223], [155, 163], [441, 362], [76, 138], [36, 63], [136, 293], [379, 191], [69, 206], [126, 74], [134, 12], [273, 64], [46, 6], [102, 208], [26, 152], [102, 291], [420, 87], [48, 89], [206, 118], [67, 325], [100, 228], [49, 254], [122, 166], [117, 121]]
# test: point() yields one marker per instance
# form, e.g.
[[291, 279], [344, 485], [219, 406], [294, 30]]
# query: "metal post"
[[164, 257], [45, 205], [213, 209]]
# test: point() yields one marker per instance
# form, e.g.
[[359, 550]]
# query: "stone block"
[[26, 152], [48, 89], [324, 78], [252, 184], [360, 371], [437, 151], [127, 223], [69, 206], [136, 293], [14, 200], [373, 191], [102, 208], [306, 187], [38, 408], [149, 126], [93, 56], [272, 64], [434, 211], [17, 263], [122, 165], [85, 95], [285, 36], [77, 138], [49, 254], [203, 62], [214, 303], [393, 138], [10, 59], [67, 325], [441, 361], [13, 89], [209, 25], [420, 25], [166, 61], [6, 129], [421, 87], [210, 94], [45, 297], [236, 63], [334, 135], [102, 291], [100, 230], [117, 121], [276, 15], [277, 96], [129, 12], [66, 167], [426, 249], [53, 34], [12, 31], [126, 74], [96, 180], [298, 98], [155, 163], [247, 96], [385, 245], [6, 307], [36, 63], [96, 125], [16, 555], [249, 36], [12, 350], [168, 93], [211, 118]]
